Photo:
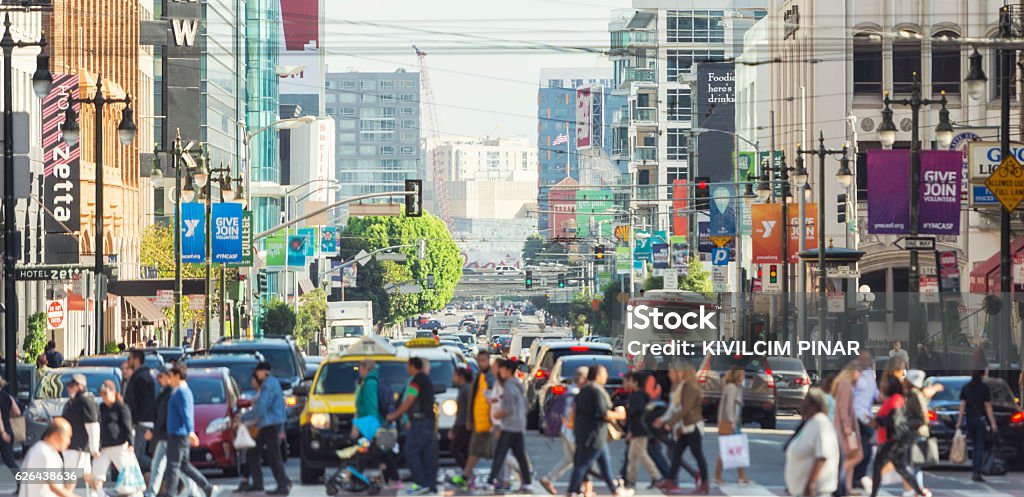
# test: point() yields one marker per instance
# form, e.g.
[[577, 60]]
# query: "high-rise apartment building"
[[377, 119], [490, 178]]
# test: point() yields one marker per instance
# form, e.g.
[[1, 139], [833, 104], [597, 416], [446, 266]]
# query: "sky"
[[484, 56]]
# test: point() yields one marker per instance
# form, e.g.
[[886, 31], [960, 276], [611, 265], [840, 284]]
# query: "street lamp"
[[42, 82], [125, 134], [206, 178], [975, 81]]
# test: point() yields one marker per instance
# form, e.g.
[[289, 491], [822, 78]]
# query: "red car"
[[218, 402]]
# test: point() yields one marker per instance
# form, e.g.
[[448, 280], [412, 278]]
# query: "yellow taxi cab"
[[325, 424]]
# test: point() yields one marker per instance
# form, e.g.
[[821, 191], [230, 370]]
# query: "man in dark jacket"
[[157, 435], [54, 358], [138, 395], [84, 415]]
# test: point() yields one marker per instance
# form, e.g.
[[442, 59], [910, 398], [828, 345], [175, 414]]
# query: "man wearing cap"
[[268, 414], [83, 414]]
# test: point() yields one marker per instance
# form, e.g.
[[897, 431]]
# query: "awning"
[[985, 276], [305, 285], [149, 311]]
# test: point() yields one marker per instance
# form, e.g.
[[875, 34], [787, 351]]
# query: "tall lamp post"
[[205, 179], [126, 134], [944, 136], [42, 82], [845, 178], [764, 192]]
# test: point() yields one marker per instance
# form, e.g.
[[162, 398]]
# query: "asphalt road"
[[766, 471]]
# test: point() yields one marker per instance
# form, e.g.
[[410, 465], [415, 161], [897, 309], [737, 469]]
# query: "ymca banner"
[[940, 186], [193, 232], [810, 230], [680, 219], [888, 187], [226, 241], [766, 237]]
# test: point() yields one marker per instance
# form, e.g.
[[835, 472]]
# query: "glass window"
[[387, 112], [408, 123], [407, 97], [679, 104], [676, 146], [695, 26], [555, 83], [388, 150], [348, 85], [208, 390], [347, 111], [906, 62], [387, 99], [347, 150], [367, 150], [346, 137], [408, 111], [408, 150], [408, 83], [867, 65], [679, 61], [348, 98], [367, 85], [387, 85], [347, 123], [946, 63], [368, 98]]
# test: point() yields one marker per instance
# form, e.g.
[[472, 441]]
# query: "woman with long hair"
[[686, 419], [730, 416], [847, 427], [893, 438]]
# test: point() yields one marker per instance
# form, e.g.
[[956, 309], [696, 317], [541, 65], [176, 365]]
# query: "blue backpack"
[[385, 398]]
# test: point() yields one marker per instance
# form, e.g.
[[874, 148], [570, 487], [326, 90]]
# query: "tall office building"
[[377, 129], [559, 155]]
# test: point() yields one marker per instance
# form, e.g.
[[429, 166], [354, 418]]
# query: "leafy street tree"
[[312, 316], [443, 262], [278, 317], [35, 337], [157, 251], [697, 280]]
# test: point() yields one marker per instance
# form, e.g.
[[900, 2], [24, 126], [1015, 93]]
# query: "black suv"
[[287, 365]]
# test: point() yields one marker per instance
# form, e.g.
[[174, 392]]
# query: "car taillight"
[[579, 348], [513, 358], [770, 381], [932, 417], [558, 389], [1017, 417], [541, 374], [702, 376], [802, 381]]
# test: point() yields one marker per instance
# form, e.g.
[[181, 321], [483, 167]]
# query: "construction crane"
[[440, 174]]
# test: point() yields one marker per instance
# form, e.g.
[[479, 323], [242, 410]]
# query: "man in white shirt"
[[45, 455], [898, 351], [812, 455], [865, 392]]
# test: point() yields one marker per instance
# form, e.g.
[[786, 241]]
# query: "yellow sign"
[[720, 241], [1007, 183], [622, 232], [622, 297]]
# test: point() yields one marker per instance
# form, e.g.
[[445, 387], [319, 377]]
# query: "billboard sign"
[[940, 186], [62, 195], [226, 239], [715, 102], [193, 232], [299, 56], [328, 240], [982, 158], [592, 210], [723, 210], [680, 218], [275, 248], [888, 184], [766, 238], [584, 124]]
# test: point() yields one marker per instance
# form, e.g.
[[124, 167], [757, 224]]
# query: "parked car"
[[217, 404], [449, 310], [312, 364], [760, 400], [791, 381], [433, 324], [170, 354], [26, 383], [240, 366], [52, 395], [945, 405], [564, 369], [287, 366], [544, 362]]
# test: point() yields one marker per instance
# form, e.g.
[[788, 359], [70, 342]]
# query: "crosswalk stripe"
[[750, 489]]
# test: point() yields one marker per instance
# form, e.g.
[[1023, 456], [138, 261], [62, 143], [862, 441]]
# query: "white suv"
[[506, 270]]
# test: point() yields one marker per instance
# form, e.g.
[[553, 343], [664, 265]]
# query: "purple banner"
[[888, 185], [939, 201]]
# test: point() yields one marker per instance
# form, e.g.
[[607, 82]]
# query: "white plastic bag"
[[243, 440], [734, 451], [958, 448]]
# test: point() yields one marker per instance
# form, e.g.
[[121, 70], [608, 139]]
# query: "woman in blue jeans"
[[976, 409]]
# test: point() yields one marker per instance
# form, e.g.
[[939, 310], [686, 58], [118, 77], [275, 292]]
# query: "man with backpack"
[[375, 398], [556, 423]]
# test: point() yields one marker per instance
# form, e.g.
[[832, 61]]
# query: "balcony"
[[645, 115], [638, 74], [642, 39], [646, 193], [645, 154]]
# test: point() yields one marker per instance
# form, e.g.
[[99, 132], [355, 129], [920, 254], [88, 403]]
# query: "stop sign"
[[947, 260], [55, 314]]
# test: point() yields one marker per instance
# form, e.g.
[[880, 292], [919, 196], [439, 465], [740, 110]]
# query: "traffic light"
[[529, 279], [414, 203], [261, 282], [599, 252], [701, 193], [561, 280], [841, 208], [773, 274]]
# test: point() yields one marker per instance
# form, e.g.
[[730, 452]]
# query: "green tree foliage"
[[35, 337], [157, 251], [698, 279], [278, 317], [536, 249], [312, 316], [442, 260]]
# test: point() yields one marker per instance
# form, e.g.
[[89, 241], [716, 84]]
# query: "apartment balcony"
[[639, 75], [642, 39], [649, 154], [643, 115], [646, 193]]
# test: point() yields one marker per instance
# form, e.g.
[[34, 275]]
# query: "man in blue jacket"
[[181, 436], [268, 415]]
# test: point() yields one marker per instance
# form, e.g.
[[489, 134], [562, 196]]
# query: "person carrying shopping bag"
[[116, 444], [730, 417]]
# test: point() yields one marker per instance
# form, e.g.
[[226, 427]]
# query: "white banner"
[[584, 126]]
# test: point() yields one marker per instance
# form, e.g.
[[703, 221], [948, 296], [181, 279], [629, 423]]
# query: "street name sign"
[[391, 256], [1007, 183], [916, 243]]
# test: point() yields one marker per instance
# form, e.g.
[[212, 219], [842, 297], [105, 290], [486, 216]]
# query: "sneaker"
[[549, 486], [280, 490], [525, 489], [866, 483], [414, 489], [215, 491], [459, 481], [909, 493], [978, 478], [624, 492]]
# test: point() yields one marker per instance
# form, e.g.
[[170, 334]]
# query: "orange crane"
[[440, 174]]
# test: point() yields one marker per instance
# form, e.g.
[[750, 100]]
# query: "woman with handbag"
[[115, 444], [730, 416], [847, 426], [686, 419]]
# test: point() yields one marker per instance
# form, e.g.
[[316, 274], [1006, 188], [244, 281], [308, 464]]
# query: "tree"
[[442, 261], [698, 279], [278, 316], [157, 251], [35, 337], [312, 316], [536, 249]]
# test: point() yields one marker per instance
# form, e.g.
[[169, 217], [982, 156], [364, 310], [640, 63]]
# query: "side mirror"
[[286, 385], [243, 403], [301, 390]]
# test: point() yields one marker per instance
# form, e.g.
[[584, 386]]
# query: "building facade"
[[377, 118], [490, 178]]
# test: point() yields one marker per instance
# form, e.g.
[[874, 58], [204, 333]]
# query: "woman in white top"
[[730, 416], [812, 455]]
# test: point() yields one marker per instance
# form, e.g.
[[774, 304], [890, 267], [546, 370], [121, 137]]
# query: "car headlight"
[[218, 425], [449, 407], [291, 401], [319, 420]]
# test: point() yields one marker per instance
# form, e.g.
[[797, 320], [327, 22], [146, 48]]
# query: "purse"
[[924, 451], [18, 429]]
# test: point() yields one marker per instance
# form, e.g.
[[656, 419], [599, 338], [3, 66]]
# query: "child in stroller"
[[360, 464]]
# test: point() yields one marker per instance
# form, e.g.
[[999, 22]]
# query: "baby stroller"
[[359, 469]]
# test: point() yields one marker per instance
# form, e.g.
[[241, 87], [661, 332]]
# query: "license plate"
[[782, 384], [747, 382]]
